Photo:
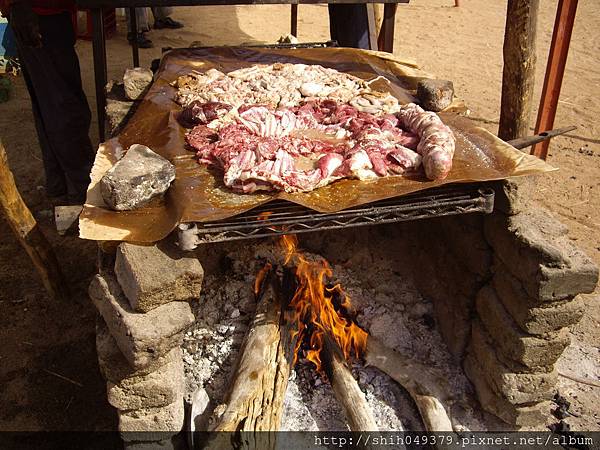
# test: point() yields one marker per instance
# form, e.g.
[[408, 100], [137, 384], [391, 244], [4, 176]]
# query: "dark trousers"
[[60, 108], [349, 25]]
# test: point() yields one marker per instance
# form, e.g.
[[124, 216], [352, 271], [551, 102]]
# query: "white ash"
[[388, 306]]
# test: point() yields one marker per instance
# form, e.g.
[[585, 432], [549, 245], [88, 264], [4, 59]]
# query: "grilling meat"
[[281, 85], [306, 147], [436, 140], [296, 127]]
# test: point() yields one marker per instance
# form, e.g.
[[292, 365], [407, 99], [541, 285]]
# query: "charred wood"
[[259, 383], [346, 389], [428, 389]]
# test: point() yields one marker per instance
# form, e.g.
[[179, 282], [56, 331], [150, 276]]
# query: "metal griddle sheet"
[[198, 194]]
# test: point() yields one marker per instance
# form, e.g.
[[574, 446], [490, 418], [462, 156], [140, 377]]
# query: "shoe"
[[141, 39], [167, 23]]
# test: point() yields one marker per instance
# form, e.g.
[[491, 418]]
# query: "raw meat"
[[309, 146], [436, 140], [282, 85]]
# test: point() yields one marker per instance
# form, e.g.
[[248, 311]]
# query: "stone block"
[[513, 195], [464, 237], [136, 178], [435, 95], [517, 388], [141, 424], [142, 338], [511, 342], [155, 389], [151, 276], [533, 247], [452, 288], [114, 367], [531, 315], [136, 81], [531, 416]]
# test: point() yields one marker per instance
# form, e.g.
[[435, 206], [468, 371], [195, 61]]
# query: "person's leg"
[[56, 185], [141, 16], [162, 19], [60, 104], [349, 25], [161, 12]]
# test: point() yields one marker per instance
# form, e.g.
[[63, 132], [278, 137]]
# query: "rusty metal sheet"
[[198, 193]]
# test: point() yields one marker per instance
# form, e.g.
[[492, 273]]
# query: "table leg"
[[134, 44], [294, 21], [100, 75], [386, 38], [372, 25]]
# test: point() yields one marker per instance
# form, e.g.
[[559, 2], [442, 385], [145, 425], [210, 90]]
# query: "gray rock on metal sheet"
[[435, 95], [136, 81], [136, 178]]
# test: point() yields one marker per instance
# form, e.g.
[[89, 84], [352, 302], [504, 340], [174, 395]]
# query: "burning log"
[[255, 399], [346, 390], [425, 386]]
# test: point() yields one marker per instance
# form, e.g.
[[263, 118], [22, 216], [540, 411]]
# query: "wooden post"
[[519, 68], [555, 69], [29, 234], [372, 26]]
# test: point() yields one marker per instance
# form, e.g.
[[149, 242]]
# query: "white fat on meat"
[[281, 85]]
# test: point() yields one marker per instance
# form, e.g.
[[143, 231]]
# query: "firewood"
[[259, 383], [28, 233], [346, 389], [427, 388]]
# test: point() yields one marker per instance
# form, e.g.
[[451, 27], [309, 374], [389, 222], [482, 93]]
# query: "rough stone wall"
[[143, 300], [505, 290]]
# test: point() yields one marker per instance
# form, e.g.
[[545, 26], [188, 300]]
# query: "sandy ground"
[[42, 339]]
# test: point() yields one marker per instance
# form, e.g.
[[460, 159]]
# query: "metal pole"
[[555, 70], [100, 75], [134, 44], [294, 20], [386, 38]]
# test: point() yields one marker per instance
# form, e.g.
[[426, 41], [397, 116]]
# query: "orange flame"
[[264, 215], [313, 307]]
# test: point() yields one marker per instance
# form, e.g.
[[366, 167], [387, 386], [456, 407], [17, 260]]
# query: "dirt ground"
[[48, 372]]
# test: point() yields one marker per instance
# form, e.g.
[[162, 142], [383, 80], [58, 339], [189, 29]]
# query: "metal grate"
[[280, 217]]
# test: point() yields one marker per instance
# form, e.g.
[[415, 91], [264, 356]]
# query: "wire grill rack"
[[281, 217]]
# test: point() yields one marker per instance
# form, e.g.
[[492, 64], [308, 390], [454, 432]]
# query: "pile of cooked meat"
[[296, 128]]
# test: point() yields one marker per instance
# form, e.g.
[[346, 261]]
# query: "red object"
[[85, 32], [42, 7], [557, 61]]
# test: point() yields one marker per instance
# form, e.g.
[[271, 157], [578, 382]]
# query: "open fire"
[[295, 318], [319, 310]]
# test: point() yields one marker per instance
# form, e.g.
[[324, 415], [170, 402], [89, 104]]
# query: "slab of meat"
[[281, 85], [436, 141], [302, 148]]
